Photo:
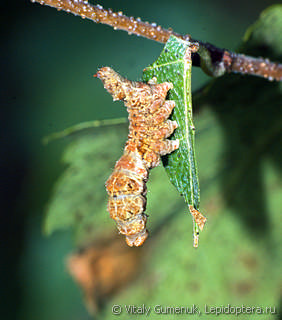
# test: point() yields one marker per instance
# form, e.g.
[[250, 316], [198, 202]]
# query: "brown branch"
[[214, 61], [114, 19], [255, 66], [218, 61]]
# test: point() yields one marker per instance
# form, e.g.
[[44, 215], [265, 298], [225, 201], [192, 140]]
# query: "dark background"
[[47, 62]]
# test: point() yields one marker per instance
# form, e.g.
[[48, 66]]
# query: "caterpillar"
[[148, 111]]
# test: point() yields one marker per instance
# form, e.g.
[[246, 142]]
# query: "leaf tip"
[[199, 218]]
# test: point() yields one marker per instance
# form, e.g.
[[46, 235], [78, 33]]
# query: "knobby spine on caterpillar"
[[148, 111]]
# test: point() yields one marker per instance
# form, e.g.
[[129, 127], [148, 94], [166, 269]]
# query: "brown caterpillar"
[[148, 129]]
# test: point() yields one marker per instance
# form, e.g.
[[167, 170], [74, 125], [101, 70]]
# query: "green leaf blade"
[[174, 65]]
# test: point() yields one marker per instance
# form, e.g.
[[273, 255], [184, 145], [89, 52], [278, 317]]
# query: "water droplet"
[[99, 6], [153, 24], [120, 13]]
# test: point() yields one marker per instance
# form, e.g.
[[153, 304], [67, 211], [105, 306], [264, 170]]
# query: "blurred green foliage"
[[80, 191], [53, 56], [238, 142]]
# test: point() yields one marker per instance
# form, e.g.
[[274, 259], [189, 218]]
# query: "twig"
[[256, 66], [83, 126], [214, 61], [117, 20]]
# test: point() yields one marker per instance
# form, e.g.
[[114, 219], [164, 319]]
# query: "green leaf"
[[264, 37], [174, 65], [79, 197]]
